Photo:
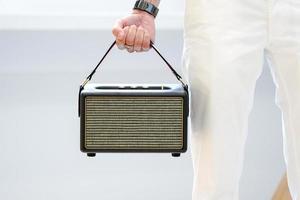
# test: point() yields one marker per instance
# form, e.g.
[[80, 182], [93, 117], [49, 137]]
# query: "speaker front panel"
[[133, 123]]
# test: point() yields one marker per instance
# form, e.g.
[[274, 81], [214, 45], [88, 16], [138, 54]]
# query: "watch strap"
[[146, 6]]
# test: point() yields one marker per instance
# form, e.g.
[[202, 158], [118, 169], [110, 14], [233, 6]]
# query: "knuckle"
[[130, 41], [132, 28], [138, 44], [139, 40], [147, 32], [130, 35], [147, 35], [126, 28], [115, 31], [141, 29], [120, 43]]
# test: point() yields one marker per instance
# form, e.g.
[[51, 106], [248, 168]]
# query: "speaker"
[[133, 117]]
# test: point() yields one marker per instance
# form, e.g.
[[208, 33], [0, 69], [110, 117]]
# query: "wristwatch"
[[146, 6]]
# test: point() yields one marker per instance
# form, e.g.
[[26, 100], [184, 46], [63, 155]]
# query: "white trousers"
[[225, 42]]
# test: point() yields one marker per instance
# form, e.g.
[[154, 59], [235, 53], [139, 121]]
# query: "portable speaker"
[[133, 117]]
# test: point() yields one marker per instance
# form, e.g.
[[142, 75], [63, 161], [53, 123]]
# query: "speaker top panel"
[[134, 89]]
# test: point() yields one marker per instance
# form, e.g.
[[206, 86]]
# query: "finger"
[[139, 37], [130, 50], [146, 41], [121, 47], [131, 35], [117, 28], [121, 43]]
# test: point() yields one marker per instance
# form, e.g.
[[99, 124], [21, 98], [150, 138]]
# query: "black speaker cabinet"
[[134, 118]]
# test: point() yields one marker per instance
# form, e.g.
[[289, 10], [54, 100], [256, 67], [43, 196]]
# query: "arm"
[[134, 32]]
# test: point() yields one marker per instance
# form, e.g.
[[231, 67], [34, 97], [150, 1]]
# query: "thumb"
[[118, 29]]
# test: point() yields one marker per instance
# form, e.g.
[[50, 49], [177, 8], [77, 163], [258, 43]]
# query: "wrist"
[[142, 13]]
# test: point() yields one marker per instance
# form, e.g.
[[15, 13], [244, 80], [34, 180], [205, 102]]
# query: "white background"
[[79, 14], [46, 49]]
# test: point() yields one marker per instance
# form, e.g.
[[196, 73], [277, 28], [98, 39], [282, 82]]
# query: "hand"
[[135, 31]]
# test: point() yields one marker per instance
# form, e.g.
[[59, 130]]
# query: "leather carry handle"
[[89, 77]]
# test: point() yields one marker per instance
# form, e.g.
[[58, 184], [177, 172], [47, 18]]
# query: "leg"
[[222, 59], [284, 55], [221, 100]]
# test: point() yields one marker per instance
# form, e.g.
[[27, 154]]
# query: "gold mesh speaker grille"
[[116, 122]]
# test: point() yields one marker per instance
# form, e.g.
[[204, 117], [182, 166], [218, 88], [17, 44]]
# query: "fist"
[[135, 31]]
